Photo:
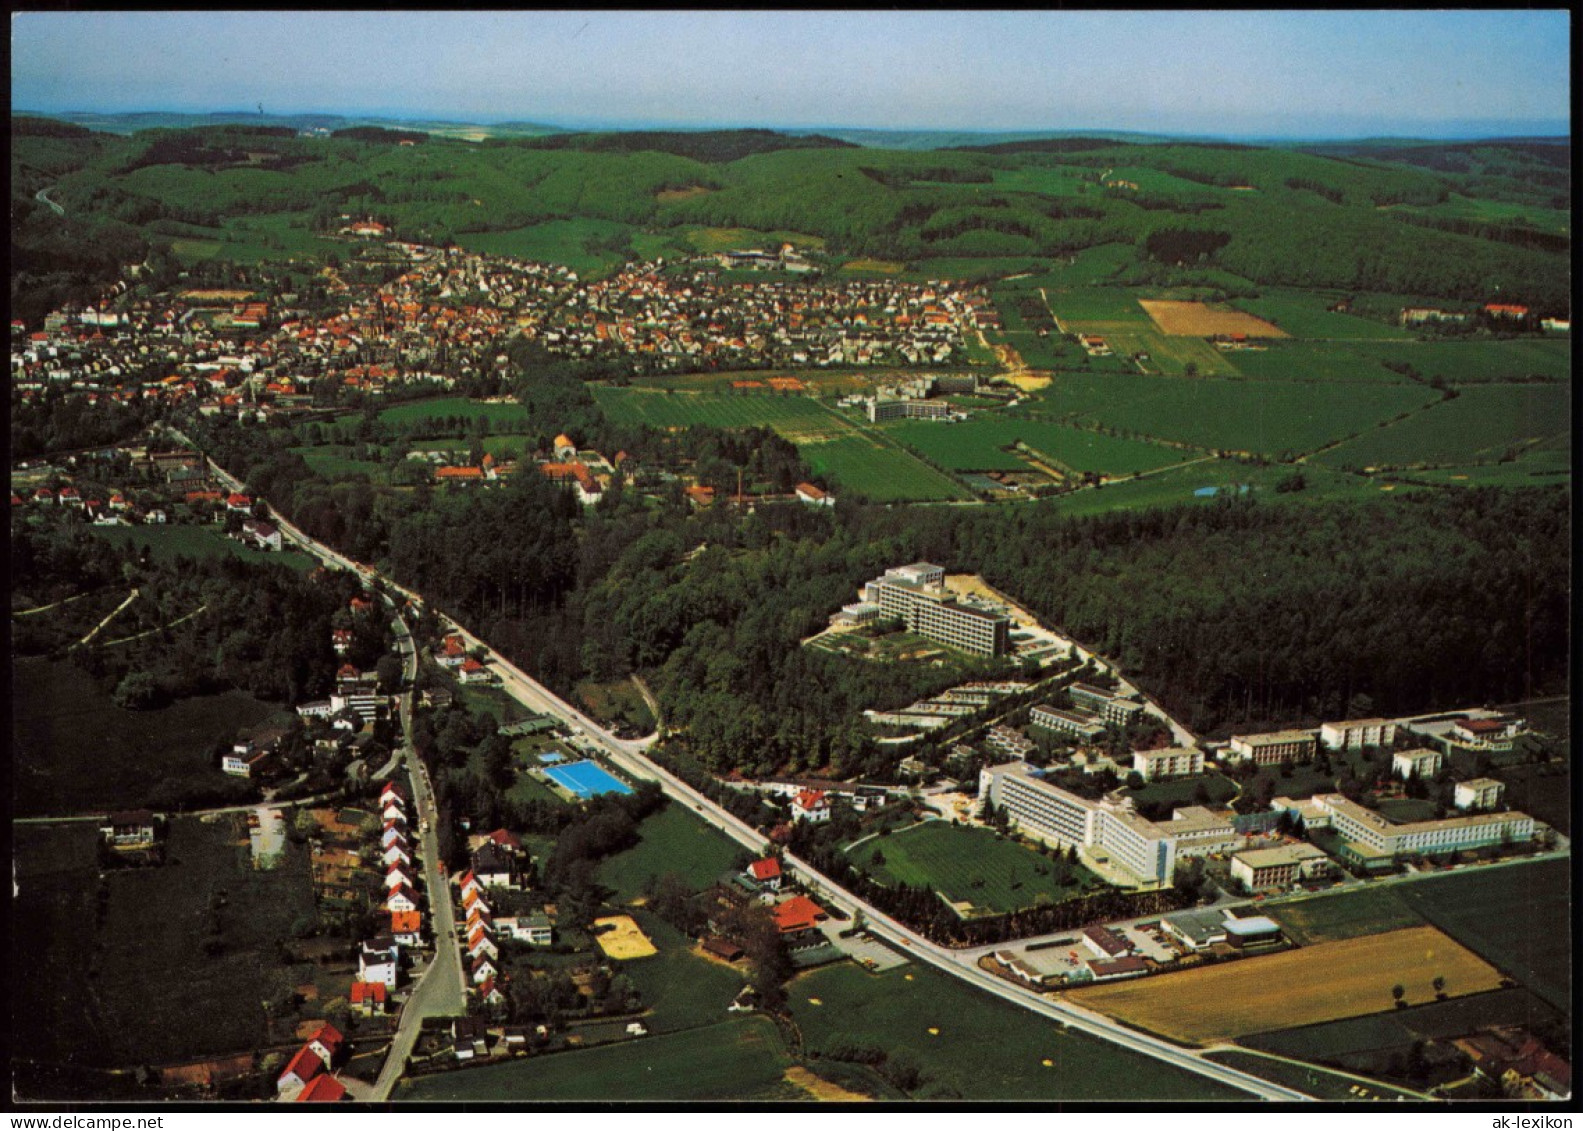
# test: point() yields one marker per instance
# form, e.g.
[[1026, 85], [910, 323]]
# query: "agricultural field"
[[965, 1044], [1333, 363], [1174, 486], [1306, 1078], [169, 542], [1201, 320], [1479, 361], [573, 244], [1346, 915], [1076, 308], [334, 461], [1483, 424], [1460, 207], [63, 765], [1295, 987], [1516, 916], [1366, 1042], [967, 865], [1307, 314], [673, 841], [881, 471], [1266, 417], [742, 1059], [122, 967], [741, 239], [980, 444]]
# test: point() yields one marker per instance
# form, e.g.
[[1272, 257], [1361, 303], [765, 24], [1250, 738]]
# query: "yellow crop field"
[[1199, 320], [1296, 987], [620, 938]]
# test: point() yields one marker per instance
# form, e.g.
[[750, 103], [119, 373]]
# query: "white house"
[[811, 805], [377, 964]]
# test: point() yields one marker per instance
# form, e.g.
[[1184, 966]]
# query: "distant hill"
[[711, 146], [125, 124]]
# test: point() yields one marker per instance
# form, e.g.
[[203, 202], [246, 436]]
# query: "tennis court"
[[586, 779]]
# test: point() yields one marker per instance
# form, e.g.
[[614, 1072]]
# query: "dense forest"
[[1236, 615]]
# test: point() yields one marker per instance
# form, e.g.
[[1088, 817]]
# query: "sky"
[[1231, 74]]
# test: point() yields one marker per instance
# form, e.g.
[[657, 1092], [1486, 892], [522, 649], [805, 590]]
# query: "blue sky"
[[1266, 74]]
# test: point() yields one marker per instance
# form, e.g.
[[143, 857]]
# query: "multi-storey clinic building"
[[916, 594], [1143, 848], [1106, 704]]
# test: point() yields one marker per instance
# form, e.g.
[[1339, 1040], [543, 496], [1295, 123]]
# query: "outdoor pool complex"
[[586, 779]]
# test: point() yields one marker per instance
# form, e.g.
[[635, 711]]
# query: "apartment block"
[[1085, 728], [1109, 706], [1357, 733], [1275, 747], [1171, 762]]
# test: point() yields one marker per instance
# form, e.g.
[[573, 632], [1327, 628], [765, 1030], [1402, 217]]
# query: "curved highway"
[[630, 756]]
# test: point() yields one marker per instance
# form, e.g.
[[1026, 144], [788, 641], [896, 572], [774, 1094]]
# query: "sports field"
[[742, 1059], [966, 1044], [1295, 987], [1482, 424], [620, 938], [968, 866], [1200, 320]]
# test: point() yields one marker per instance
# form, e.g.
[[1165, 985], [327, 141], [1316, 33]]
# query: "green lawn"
[[1177, 485], [795, 416], [673, 840], [680, 989], [1482, 424], [967, 865], [332, 462], [167, 543], [742, 1059], [74, 751], [986, 1049], [133, 984]]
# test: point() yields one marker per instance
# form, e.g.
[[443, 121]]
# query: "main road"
[[631, 756]]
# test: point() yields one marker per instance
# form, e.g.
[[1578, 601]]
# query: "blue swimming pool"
[[586, 779]]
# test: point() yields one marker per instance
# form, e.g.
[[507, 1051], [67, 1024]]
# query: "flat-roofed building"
[[1384, 837], [1486, 733], [1143, 849], [1083, 727], [1107, 705], [1274, 747], [1421, 763], [857, 613], [916, 595], [1168, 762], [1478, 793], [1197, 930], [1265, 869], [1357, 733], [1253, 931], [1199, 830]]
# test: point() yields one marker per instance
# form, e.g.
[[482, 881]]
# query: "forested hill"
[[710, 146], [1499, 223]]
